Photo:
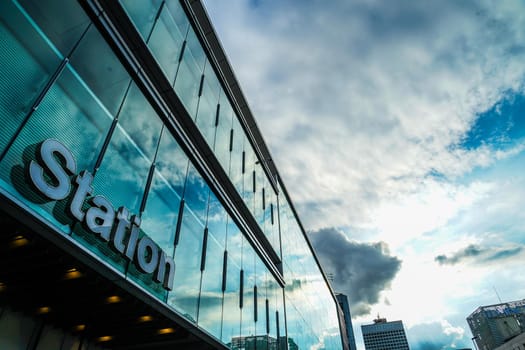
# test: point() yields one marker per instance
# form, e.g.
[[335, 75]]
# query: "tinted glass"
[[28, 61]]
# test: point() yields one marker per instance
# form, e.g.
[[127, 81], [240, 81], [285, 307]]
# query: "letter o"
[[146, 244]]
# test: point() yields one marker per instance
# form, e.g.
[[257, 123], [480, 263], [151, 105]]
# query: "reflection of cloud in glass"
[[64, 30], [140, 121], [101, 70]]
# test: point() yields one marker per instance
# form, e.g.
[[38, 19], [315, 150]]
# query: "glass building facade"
[[126, 135]]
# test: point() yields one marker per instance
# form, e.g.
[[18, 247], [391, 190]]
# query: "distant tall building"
[[493, 325], [343, 303], [384, 335]]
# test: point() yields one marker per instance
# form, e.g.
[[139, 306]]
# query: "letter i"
[[133, 237]]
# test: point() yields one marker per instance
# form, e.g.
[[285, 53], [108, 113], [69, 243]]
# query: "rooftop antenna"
[[496, 291]]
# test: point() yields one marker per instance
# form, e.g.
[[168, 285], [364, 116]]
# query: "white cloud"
[[368, 96], [448, 329]]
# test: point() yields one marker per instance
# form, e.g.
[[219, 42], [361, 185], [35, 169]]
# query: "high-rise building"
[[342, 299], [493, 325], [383, 335], [514, 343], [139, 204]]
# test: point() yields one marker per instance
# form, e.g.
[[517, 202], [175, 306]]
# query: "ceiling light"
[[145, 318], [104, 338], [18, 241], [165, 331], [72, 274], [113, 299], [43, 310], [79, 327]]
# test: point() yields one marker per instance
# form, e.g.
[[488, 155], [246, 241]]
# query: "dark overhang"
[[48, 277]]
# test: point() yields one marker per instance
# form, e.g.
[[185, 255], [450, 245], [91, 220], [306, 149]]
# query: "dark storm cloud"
[[361, 270], [478, 254], [469, 251]]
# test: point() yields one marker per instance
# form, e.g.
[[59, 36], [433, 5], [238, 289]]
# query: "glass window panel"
[[210, 301], [261, 283], [197, 53], [248, 195], [124, 169], [236, 155], [178, 14], [189, 249], [187, 82], [27, 63], [63, 22], [258, 211], [166, 43], [279, 314], [185, 294], [272, 222], [160, 216], [232, 313], [142, 13], [248, 309], [101, 70], [196, 194], [140, 122], [217, 219], [297, 328], [222, 138], [210, 304], [208, 106], [172, 162]]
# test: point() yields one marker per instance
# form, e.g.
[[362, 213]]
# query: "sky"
[[398, 128]]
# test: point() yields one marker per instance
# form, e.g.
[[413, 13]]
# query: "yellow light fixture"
[[72, 274], [145, 318], [18, 241], [79, 327], [3, 286], [43, 310], [113, 299], [165, 331], [104, 338]]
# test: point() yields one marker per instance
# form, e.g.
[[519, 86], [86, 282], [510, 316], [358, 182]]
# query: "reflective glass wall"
[[60, 81], [131, 195], [311, 312], [173, 42]]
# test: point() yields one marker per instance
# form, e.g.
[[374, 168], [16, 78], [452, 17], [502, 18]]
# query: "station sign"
[[54, 175]]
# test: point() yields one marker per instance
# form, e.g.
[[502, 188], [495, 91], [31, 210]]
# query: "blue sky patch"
[[498, 127]]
